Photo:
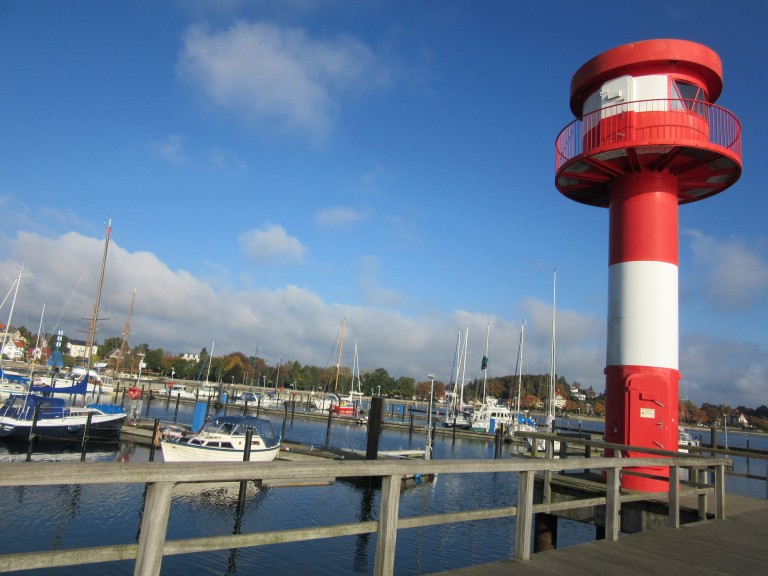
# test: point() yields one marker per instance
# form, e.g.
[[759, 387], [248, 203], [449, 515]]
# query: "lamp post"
[[141, 365], [428, 443]]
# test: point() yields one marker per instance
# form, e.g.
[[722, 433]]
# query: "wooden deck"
[[735, 545]]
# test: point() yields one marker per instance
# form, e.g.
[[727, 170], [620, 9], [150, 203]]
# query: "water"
[[68, 516]]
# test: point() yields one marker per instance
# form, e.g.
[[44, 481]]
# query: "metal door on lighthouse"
[[647, 408]]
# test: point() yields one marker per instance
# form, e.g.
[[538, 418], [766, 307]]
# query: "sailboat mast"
[[356, 372], [520, 370], [552, 375], [97, 306], [464, 365], [17, 282], [484, 364], [126, 330], [455, 372], [210, 361], [338, 362]]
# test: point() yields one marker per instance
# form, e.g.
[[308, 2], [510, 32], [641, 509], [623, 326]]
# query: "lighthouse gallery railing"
[[651, 123]]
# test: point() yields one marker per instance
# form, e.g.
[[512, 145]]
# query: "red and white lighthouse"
[[648, 137]]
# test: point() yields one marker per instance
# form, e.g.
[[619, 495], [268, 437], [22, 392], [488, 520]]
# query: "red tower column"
[[647, 138], [642, 359]]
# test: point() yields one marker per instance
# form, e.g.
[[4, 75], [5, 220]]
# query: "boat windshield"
[[261, 428]]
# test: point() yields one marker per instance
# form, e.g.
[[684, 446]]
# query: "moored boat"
[[224, 439], [55, 419]]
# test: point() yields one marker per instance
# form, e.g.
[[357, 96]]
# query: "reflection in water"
[[362, 542]]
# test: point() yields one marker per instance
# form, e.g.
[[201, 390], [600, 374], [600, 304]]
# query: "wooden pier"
[[735, 544], [160, 481]]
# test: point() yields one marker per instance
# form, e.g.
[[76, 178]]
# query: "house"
[[191, 357], [78, 349], [14, 349]]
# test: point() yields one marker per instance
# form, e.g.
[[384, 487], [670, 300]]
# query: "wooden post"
[[374, 428], [176, 410], [612, 505], [701, 478], [386, 539], [154, 527], [524, 515], [86, 433], [720, 492], [155, 439], [674, 497]]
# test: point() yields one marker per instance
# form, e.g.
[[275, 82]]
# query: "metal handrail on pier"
[[160, 479]]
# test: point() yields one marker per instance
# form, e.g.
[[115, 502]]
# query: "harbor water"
[[68, 516]]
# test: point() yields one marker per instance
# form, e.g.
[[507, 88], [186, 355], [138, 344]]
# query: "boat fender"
[[134, 392]]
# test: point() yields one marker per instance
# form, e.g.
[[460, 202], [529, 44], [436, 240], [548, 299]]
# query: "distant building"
[[14, 349], [79, 349], [191, 357]]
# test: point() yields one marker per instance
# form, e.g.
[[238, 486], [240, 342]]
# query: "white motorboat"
[[684, 438], [177, 391], [490, 415], [224, 439]]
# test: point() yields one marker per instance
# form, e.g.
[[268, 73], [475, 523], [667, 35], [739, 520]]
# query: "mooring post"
[[155, 439], [33, 432], [86, 432], [176, 410], [244, 483], [374, 428], [328, 429]]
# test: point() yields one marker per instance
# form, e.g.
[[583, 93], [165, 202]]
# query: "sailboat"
[[521, 422], [11, 382], [28, 414], [490, 413], [456, 415]]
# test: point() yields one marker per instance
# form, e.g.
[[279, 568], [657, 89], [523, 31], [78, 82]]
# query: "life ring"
[[134, 392]]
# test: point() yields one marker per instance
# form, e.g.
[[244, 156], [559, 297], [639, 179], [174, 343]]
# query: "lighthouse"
[[648, 137]]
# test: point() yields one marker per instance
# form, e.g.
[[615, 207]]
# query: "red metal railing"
[[651, 123]]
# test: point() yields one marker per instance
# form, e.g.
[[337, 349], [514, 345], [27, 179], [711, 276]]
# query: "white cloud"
[[336, 216], [723, 372], [733, 275], [181, 313], [375, 293], [262, 71], [171, 149], [271, 243]]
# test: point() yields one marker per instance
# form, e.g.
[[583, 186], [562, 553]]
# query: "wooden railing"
[[160, 479]]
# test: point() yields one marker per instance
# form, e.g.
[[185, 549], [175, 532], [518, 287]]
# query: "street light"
[[141, 365], [428, 443]]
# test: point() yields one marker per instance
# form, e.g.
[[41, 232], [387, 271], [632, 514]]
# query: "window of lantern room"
[[687, 96]]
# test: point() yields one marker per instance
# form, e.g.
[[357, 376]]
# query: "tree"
[[377, 380], [109, 345]]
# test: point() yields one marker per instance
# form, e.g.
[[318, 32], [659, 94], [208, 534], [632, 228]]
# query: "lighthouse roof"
[[663, 56]]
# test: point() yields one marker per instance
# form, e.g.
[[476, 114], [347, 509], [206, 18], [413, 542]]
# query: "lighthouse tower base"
[[641, 411]]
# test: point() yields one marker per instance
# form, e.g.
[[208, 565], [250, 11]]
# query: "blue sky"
[[274, 167]]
